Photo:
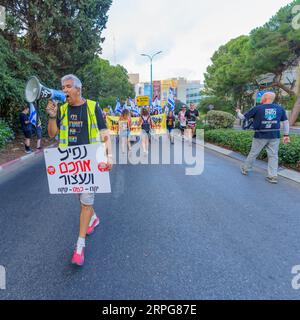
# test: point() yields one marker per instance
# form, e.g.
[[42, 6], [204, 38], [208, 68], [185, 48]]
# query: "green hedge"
[[220, 119], [6, 134], [241, 141]]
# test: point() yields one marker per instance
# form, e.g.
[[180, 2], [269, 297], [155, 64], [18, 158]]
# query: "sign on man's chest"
[[78, 169]]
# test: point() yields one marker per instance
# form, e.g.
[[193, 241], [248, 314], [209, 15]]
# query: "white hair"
[[76, 82], [271, 95]]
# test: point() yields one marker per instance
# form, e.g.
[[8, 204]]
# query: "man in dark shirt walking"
[[266, 122]]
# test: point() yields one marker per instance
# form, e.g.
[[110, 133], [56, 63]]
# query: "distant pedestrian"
[[170, 125], [26, 127], [145, 123], [182, 119], [266, 123], [192, 116], [124, 130]]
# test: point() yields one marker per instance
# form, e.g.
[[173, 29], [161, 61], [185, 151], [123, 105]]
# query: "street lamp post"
[[151, 84]]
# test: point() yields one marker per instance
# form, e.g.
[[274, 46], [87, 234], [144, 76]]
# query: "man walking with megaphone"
[[78, 122]]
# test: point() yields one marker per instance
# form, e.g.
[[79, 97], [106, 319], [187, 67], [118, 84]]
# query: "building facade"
[[184, 90]]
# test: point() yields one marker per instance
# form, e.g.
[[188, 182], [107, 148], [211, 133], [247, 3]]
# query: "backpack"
[[146, 125]]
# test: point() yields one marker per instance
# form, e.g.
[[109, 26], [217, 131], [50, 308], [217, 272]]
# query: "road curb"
[[283, 172], [12, 163]]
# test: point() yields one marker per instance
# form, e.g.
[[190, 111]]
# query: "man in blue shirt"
[[26, 127], [266, 122]]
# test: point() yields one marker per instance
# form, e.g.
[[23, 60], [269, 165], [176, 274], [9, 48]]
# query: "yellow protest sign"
[[142, 101], [112, 124], [159, 124]]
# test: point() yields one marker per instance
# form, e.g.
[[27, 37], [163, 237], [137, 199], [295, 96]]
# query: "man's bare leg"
[[85, 218]]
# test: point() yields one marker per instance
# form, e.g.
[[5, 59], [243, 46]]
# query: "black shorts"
[[27, 134], [191, 125]]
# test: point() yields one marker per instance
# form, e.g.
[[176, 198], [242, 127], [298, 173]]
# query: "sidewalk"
[[283, 172], [22, 159]]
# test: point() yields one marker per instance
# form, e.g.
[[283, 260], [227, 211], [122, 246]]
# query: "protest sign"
[[78, 169]]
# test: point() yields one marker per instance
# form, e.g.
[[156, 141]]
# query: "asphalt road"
[[163, 235]]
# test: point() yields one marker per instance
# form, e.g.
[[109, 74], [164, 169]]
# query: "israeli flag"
[[118, 108], [155, 102], [156, 105], [171, 101], [167, 110], [151, 108], [134, 109], [32, 115], [111, 111], [159, 109]]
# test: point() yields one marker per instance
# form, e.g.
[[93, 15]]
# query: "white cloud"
[[188, 32]]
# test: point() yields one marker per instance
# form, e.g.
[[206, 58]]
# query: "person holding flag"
[[134, 109], [36, 125], [111, 111], [171, 102], [156, 105], [127, 104], [118, 108], [26, 127]]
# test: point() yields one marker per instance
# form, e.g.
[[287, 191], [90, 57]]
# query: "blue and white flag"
[[118, 108], [159, 109], [171, 101], [127, 104], [155, 102], [111, 111], [32, 115], [156, 105], [134, 109]]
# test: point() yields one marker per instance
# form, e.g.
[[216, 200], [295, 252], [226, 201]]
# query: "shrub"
[[241, 141], [220, 119], [6, 134]]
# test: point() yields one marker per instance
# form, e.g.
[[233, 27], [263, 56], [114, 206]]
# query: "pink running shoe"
[[78, 258], [91, 229]]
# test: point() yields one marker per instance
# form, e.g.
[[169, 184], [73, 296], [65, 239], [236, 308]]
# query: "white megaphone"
[[34, 91]]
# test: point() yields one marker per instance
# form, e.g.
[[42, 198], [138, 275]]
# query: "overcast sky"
[[187, 31]]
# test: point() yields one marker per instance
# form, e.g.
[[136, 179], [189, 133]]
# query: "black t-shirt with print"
[[78, 123], [170, 121], [192, 115]]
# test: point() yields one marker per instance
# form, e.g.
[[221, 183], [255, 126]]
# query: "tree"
[[49, 39], [270, 51], [15, 70], [66, 34], [229, 75], [217, 103], [274, 48], [101, 80], [178, 105]]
